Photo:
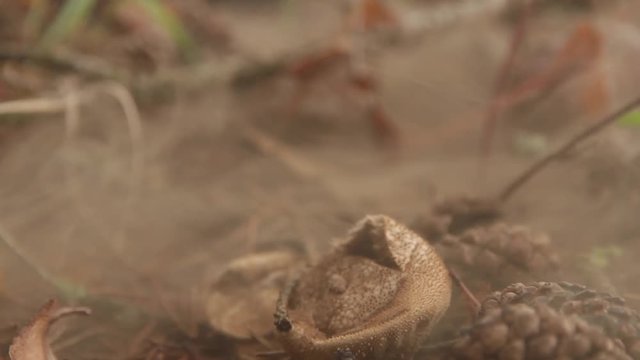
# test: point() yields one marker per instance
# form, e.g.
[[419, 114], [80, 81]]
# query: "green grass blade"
[[630, 119], [35, 18], [166, 19], [73, 14]]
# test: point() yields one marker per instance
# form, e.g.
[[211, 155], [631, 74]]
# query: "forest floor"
[[208, 188]]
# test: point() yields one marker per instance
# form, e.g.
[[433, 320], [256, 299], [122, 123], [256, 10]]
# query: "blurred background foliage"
[[149, 32]]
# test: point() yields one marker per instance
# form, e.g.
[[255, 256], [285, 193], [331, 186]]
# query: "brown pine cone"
[[533, 331], [455, 215], [466, 212], [488, 258], [599, 309], [498, 252]]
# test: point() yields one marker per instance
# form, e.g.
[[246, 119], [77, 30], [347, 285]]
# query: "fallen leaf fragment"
[[32, 342], [241, 300]]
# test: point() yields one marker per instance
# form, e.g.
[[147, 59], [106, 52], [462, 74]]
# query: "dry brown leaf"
[[377, 295], [373, 14], [241, 300], [32, 342]]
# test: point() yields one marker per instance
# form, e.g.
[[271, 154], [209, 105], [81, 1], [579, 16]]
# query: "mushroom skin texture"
[[376, 295]]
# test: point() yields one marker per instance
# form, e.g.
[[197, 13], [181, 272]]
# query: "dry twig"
[[282, 152], [495, 106], [60, 63], [538, 166]]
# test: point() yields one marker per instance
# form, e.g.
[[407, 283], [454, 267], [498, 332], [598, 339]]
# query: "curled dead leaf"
[[32, 342], [377, 295]]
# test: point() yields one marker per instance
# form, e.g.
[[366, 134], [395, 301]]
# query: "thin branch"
[[281, 316], [32, 106], [494, 109], [472, 301], [270, 146], [538, 166], [60, 63], [69, 310], [274, 354]]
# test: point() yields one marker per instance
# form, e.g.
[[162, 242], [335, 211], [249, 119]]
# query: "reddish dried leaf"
[[581, 52], [372, 14], [317, 63], [310, 67], [367, 15], [364, 82], [585, 43], [493, 110], [595, 97], [583, 47], [32, 342], [383, 127]]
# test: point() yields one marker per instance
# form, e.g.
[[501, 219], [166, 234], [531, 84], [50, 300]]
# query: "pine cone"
[[455, 215], [599, 309], [533, 331], [467, 212], [493, 252]]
